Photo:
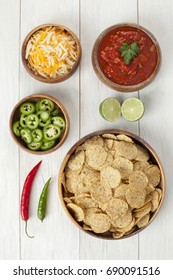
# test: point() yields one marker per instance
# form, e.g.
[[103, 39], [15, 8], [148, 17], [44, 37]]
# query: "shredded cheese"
[[51, 53]]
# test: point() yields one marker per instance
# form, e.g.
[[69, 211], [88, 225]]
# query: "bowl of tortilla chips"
[[111, 184]]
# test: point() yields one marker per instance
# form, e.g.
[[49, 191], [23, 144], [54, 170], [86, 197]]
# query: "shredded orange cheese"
[[51, 53]]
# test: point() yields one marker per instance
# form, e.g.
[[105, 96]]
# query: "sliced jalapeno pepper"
[[26, 135], [34, 146], [56, 112], [23, 120], [46, 105], [37, 135], [17, 128], [32, 121], [37, 106], [41, 122], [48, 145], [27, 108], [51, 132], [59, 121], [43, 115]]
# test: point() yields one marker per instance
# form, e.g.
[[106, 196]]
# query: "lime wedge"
[[110, 109], [132, 109]]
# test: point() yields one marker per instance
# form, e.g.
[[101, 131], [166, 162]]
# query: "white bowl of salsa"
[[126, 57]]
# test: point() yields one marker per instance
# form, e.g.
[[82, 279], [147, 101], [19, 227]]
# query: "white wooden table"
[[57, 237]]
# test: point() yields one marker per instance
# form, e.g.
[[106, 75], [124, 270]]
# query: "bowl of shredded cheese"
[[51, 53]]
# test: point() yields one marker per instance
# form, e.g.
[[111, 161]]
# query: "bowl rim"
[[39, 77], [135, 138], [116, 86], [59, 104]]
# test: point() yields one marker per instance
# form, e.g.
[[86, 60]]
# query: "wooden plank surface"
[[57, 237], [156, 126], [9, 153], [52, 239]]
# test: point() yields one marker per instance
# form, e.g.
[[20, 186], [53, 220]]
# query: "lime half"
[[110, 109], [132, 109]]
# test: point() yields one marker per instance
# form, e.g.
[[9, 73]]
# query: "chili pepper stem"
[[27, 231]]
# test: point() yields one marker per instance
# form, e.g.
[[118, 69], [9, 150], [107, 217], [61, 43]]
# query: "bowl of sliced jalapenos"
[[39, 124]]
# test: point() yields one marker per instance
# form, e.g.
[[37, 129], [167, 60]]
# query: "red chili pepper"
[[25, 198]]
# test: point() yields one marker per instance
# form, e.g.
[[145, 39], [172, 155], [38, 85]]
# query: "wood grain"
[[156, 242], [56, 230], [9, 159]]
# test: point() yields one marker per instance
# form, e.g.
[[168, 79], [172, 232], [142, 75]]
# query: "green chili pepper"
[[59, 121], [46, 104], [34, 146], [56, 112], [32, 121], [26, 135], [51, 132], [17, 128], [23, 120], [42, 120], [27, 108], [37, 135], [36, 106], [41, 210], [47, 145]]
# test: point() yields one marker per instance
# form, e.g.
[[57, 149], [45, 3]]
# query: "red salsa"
[[113, 65]]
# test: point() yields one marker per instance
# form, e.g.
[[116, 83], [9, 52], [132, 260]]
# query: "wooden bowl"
[[57, 79], [153, 156], [106, 80], [15, 115]]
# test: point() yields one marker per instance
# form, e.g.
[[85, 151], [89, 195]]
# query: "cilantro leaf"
[[134, 47], [124, 46], [129, 51]]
